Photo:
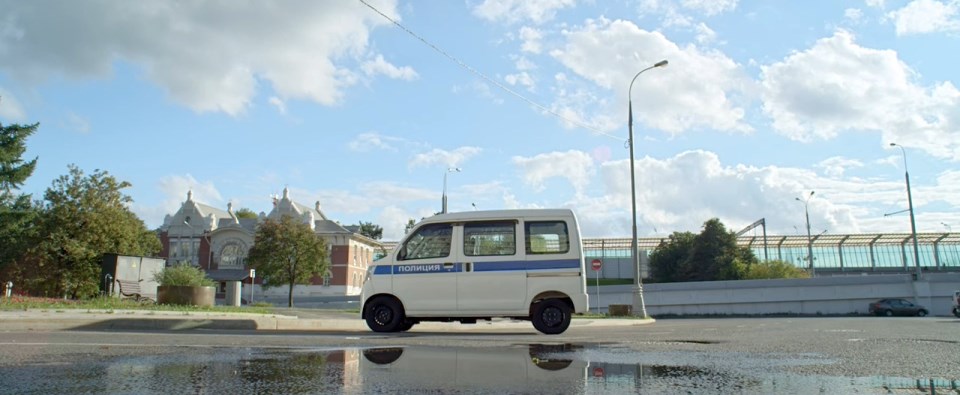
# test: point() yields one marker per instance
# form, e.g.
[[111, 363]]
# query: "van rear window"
[[547, 237]]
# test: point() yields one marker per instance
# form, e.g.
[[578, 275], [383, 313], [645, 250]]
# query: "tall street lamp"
[[638, 286], [913, 221], [806, 212], [449, 170]]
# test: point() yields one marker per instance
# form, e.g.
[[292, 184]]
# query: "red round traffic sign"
[[598, 372], [596, 264]]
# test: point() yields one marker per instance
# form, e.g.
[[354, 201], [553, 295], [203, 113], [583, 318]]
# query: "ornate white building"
[[217, 241]]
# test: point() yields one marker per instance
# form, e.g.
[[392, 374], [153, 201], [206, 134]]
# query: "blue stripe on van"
[[500, 266]]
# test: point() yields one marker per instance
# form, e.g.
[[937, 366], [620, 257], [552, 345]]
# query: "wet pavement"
[[517, 368]]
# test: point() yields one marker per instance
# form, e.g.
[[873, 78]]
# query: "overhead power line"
[[485, 77]]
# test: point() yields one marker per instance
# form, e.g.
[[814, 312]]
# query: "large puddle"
[[547, 369]]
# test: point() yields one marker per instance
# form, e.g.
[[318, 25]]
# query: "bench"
[[131, 289]]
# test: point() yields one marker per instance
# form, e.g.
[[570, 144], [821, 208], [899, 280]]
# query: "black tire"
[[956, 312], [384, 314], [383, 356], [407, 324], [922, 313], [888, 313], [551, 316]]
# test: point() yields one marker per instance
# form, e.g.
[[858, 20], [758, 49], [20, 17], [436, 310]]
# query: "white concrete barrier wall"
[[822, 295]]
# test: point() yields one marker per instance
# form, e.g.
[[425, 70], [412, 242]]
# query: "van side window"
[[430, 241], [547, 237], [490, 238]]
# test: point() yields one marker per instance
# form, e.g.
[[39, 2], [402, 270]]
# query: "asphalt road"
[[758, 355]]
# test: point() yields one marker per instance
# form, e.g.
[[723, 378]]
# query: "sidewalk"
[[290, 320]]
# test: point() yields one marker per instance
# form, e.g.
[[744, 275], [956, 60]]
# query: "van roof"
[[500, 214]]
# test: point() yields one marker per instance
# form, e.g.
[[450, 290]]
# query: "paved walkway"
[[282, 320]]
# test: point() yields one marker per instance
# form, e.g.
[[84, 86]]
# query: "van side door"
[[425, 274], [493, 279]]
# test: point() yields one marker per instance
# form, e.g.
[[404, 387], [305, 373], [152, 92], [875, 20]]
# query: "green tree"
[[668, 260], [246, 213], [81, 218], [409, 226], [287, 252], [371, 230], [17, 213], [711, 255], [774, 269]]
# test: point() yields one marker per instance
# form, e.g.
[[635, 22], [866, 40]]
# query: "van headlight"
[[366, 277]]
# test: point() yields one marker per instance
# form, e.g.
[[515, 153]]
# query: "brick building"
[[217, 241]]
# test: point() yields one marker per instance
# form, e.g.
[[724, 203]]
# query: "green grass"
[[112, 304]]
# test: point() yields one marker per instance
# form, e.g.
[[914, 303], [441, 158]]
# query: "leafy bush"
[[183, 274]]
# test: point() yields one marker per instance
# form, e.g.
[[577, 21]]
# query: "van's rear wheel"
[[551, 316], [384, 315]]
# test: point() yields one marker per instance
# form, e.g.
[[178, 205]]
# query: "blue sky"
[[761, 103]]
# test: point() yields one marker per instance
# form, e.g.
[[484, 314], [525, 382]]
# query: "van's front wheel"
[[384, 315], [551, 316]]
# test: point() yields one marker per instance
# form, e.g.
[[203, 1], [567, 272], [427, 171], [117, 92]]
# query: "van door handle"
[[448, 265], [468, 266]]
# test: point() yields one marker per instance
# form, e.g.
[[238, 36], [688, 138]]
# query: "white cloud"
[[524, 64], [926, 16], [531, 40], [522, 78], [676, 13], [838, 85], [366, 142], [679, 193], [209, 56], [705, 35], [699, 89], [78, 123], [574, 166], [444, 158], [710, 7], [837, 165], [279, 104], [512, 11], [853, 14], [380, 66], [876, 3], [10, 108]]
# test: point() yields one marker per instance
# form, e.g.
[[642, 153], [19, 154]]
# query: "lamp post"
[[913, 221], [638, 286], [449, 170], [806, 212]]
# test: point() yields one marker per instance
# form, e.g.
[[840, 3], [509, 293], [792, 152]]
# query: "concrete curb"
[[66, 320]]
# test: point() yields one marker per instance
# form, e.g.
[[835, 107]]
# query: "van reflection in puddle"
[[512, 369]]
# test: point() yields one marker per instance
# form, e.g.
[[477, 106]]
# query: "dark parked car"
[[892, 307]]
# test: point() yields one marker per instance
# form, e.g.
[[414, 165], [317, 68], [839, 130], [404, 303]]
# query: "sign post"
[[596, 265], [253, 275]]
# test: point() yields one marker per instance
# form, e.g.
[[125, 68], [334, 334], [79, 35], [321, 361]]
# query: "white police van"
[[469, 266]]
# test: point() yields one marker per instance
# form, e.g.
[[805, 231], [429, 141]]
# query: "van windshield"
[[430, 241]]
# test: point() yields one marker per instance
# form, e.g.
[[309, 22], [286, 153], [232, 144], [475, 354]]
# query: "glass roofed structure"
[[861, 252]]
